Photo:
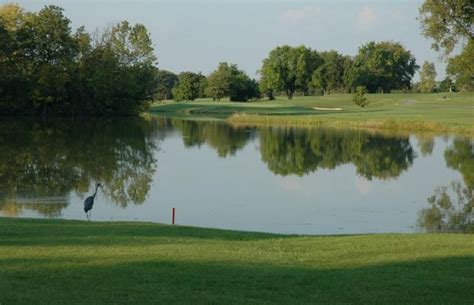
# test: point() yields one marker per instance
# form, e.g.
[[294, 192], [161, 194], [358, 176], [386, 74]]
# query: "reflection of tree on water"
[[461, 157], [291, 151], [426, 144], [62, 157], [451, 208], [226, 140], [49, 209]]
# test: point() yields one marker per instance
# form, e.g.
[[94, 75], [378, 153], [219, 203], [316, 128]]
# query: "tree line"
[[47, 68]]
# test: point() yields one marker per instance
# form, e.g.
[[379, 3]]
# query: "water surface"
[[282, 180]]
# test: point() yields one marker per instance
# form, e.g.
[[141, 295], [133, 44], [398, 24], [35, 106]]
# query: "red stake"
[[173, 216]]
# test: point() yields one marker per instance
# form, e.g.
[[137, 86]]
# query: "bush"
[[359, 96]]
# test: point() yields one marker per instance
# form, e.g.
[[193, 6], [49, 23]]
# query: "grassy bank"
[[72, 262], [443, 113]]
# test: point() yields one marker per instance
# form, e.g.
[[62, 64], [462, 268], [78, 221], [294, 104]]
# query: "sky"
[[197, 35]]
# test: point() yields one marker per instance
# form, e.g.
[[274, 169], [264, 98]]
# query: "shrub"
[[359, 96]]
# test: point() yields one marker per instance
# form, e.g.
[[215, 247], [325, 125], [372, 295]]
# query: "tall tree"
[[427, 77], [242, 87], [461, 68], [228, 80], [447, 22], [330, 72], [218, 82], [132, 44], [45, 67], [118, 71], [383, 66], [189, 87], [165, 81], [287, 69]]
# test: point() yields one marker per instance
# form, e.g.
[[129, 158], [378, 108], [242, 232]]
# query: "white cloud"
[[300, 15], [366, 17]]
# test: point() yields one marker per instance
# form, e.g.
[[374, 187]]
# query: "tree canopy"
[[165, 81], [447, 22], [427, 77], [383, 67], [189, 87], [46, 68], [329, 74], [288, 69], [461, 68]]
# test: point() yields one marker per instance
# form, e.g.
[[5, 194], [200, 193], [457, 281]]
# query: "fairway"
[[441, 112], [76, 262]]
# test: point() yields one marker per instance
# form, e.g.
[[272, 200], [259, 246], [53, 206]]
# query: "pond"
[[281, 180]]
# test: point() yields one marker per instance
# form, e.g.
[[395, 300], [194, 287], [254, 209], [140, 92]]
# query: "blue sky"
[[196, 35]]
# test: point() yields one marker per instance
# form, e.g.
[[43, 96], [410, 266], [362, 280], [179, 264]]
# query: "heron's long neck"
[[95, 193]]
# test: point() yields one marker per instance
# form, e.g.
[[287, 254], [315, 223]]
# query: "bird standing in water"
[[89, 203]]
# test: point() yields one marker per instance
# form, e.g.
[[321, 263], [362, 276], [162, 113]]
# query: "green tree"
[[118, 71], [461, 68], [427, 77], [447, 85], [359, 96], [243, 88], [287, 69], [165, 81], [14, 66], [329, 74], [49, 41], [189, 87], [132, 44], [218, 82], [228, 80], [45, 67], [348, 74], [447, 22], [382, 67]]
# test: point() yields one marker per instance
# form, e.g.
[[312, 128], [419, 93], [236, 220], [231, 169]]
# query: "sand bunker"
[[327, 109]]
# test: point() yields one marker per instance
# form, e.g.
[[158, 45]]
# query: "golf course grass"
[[442, 112], [77, 262]]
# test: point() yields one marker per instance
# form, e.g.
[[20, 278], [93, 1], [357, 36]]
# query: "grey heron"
[[89, 202]]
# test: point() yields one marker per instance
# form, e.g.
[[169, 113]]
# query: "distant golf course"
[[441, 112], [78, 262]]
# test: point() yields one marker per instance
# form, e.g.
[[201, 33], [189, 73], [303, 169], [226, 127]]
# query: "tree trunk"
[[44, 112]]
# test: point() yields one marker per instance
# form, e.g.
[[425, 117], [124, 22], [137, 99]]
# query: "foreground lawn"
[[417, 112], [74, 262]]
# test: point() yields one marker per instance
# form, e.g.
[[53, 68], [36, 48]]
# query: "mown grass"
[[74, 262], [443, 112]]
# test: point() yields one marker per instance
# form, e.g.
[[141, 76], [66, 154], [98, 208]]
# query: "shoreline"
[[419, 113], [380, 125]]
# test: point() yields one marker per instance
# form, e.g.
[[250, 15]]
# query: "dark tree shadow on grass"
[[76, 281]]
